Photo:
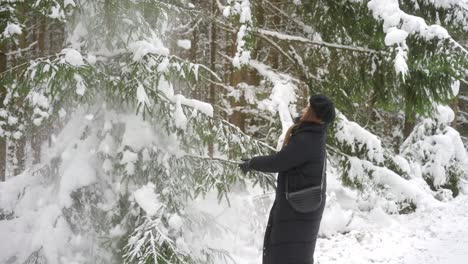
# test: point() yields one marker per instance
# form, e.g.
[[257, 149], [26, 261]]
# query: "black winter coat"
[[290, 236]]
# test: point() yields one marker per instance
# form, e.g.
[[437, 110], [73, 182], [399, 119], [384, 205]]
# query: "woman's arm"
[[295, 153]]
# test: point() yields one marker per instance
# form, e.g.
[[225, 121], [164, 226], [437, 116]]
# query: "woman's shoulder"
[[307, 137]]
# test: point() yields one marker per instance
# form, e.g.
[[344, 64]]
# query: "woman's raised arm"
[[295, 153]]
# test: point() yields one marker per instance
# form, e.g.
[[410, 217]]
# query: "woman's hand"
[[245, 165]]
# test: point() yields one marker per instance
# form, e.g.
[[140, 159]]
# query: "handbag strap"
[[324, 169]]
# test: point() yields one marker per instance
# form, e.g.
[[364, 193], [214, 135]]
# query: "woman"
[[290, 235]]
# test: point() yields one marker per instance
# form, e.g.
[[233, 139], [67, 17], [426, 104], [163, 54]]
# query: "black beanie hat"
[[323, 107]]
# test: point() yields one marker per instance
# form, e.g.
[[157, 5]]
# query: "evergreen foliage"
[[120, 90]]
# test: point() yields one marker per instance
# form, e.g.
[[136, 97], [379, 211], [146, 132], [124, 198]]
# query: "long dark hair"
[[307, 116]]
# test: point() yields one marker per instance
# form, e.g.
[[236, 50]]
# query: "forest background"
[[121, 113]]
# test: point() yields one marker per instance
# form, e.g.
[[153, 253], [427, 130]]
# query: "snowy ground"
[[437, 235]]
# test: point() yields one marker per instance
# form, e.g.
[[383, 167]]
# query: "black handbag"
[[309, 199]]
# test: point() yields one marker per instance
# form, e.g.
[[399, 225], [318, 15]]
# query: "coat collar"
[[310, 127]]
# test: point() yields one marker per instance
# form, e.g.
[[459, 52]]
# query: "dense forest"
[[122, 121]]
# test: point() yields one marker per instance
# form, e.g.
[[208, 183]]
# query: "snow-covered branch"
[[287, 56], [286, 37]]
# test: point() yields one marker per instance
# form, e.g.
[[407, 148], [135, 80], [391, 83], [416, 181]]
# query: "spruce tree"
[[115, 66]]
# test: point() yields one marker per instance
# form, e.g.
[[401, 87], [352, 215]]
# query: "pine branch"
[[149, 244], [458, 45], [177, 7], [284, 14], [19, 50], [287, 56]]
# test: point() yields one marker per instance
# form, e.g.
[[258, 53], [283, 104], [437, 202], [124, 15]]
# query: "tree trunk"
[[373, 96], [2, 159], [41, 36], [237, 117], [37, 136], [409, 126], [20, 144], [260, 19], [211, 98], [455, 109], [108, 23], [193, 58], [274, 55], [3, 67], [410, 117]]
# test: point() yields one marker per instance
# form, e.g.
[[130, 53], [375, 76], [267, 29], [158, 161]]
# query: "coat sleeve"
[[295, 153]]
